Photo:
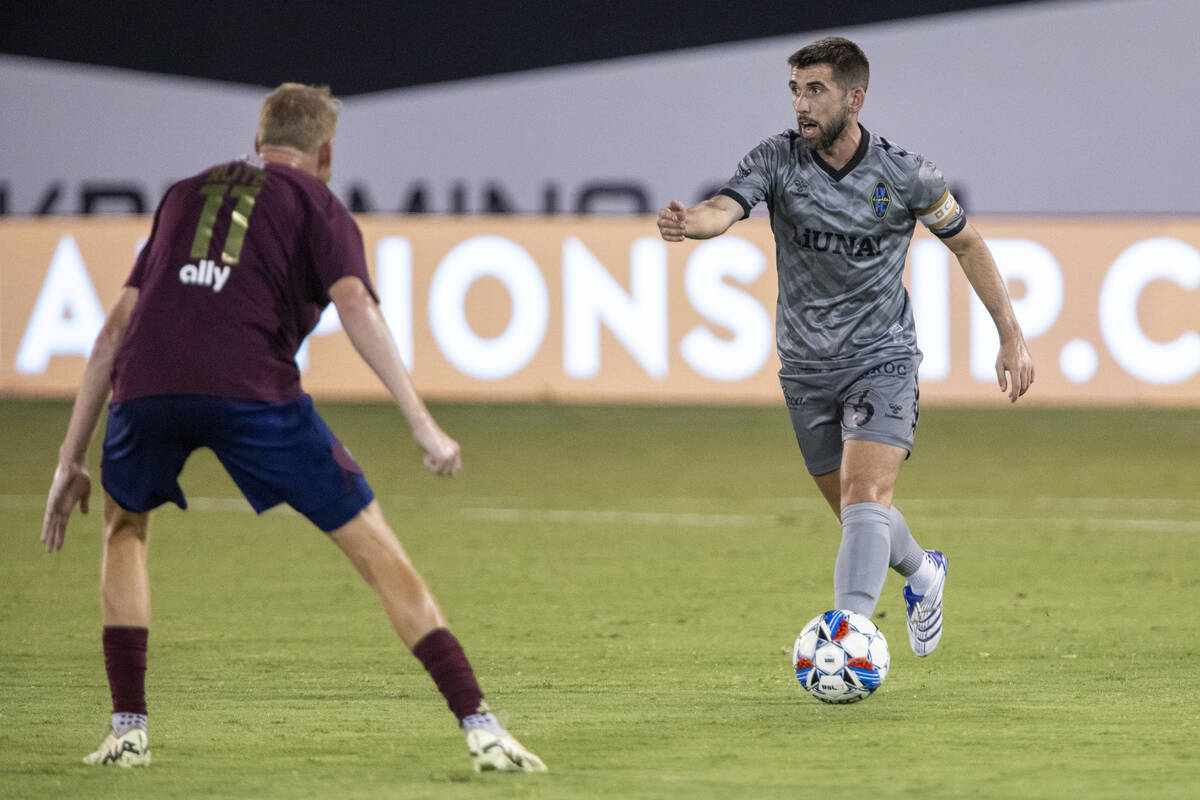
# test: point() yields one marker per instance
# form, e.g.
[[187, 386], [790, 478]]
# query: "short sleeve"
[[137, 276], [751, 182], [337, 247], [936, 207]]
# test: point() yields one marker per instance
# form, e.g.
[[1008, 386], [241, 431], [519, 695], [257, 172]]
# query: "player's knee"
[[866, 491], [120, 524], [123, 526]]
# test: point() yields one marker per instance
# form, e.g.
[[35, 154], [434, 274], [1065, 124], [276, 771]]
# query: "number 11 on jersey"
[[238, 223]]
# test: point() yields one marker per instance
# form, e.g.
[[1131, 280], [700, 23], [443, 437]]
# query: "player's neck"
[[290, 156], [844, 147]]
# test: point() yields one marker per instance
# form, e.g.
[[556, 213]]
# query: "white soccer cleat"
[[500, 752], [925, 610], [130, 749]]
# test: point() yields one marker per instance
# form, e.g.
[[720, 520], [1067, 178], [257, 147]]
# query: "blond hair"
[[299, 116]]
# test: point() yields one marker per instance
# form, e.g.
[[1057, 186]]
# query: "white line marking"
[[1088, 523], [651, 518], [612, 517], [1155, 513]]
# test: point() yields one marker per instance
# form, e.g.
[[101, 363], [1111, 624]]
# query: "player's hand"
[[1014, 368], [443, 456], [72, 484], [672, 221]]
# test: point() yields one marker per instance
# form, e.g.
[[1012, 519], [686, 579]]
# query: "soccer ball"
[[841, 657]]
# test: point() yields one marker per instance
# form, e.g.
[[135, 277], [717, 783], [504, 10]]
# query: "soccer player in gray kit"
[[843, 204]]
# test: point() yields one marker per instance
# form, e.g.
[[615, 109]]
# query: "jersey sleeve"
[[936, 207], [137, 276], [751, 182], [337, 248]]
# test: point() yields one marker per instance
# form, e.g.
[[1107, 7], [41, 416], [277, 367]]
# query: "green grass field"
[[628, 583]]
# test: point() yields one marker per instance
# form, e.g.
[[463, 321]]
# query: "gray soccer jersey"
[[841, 238]]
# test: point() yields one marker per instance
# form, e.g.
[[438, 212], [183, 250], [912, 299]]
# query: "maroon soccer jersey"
[[235, 274]]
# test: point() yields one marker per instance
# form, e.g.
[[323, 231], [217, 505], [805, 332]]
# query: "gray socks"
[[873, 539], [863, 557], [907, 555]]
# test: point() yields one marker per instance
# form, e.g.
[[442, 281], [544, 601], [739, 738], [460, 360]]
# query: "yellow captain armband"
[[941, 213]]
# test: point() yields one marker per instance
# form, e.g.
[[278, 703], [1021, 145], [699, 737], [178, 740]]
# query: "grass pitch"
[[627, 583]]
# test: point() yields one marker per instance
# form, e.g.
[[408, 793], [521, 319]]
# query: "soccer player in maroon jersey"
[[199, 351]]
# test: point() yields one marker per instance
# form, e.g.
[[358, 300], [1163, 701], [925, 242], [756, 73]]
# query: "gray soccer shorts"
[[877, 402]]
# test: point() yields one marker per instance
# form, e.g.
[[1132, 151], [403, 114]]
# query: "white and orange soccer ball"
[[841, 657]]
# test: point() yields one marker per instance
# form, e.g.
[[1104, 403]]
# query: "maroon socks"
[[439, 652], [443, 657], [125, 662]]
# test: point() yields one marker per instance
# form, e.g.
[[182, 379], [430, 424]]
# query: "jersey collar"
[[859, 154]]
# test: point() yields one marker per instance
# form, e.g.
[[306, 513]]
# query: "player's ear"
[[858, 96], [325, 155], [257, 144]]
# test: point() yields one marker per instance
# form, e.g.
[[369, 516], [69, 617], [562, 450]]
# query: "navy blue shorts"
[[275, 453]]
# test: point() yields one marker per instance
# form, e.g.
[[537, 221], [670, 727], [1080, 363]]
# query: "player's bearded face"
[[830, 129]]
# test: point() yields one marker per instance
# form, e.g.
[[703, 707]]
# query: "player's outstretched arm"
[[1014, 364], [368, 332], [72, 484], [705, 220]]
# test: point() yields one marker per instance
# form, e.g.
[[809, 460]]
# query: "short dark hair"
[[849, 62]]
